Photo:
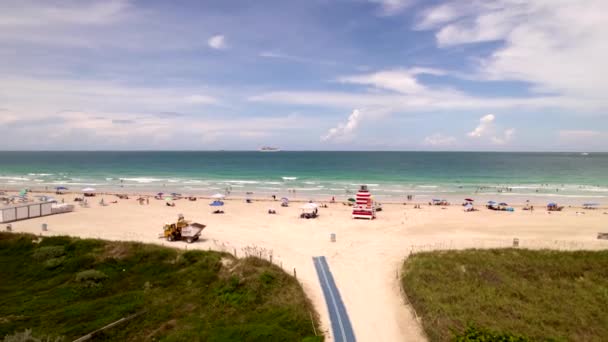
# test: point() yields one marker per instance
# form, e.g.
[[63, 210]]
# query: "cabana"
[[554, 207], [88, 192], [440, 201], [59, 190], [469, 207], [590, 205], [309, 210]]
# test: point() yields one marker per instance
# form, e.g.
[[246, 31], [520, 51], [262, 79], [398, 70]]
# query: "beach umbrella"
[[23, 192], [593, 204], [469, 199], [491, 202], [552, 204], [168, 198], [61, 188], [352, 200], [160, 194], [309, 206], [216, 204], [88, 190], [218, 195], [503, 204]]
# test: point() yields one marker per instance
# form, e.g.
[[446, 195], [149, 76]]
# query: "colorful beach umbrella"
[[309, 206], [216, 204]]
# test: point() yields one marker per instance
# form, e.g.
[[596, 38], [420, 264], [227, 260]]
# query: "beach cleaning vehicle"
[[182, 230]]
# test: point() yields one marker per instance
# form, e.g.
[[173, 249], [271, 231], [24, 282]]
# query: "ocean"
[[567, 177]]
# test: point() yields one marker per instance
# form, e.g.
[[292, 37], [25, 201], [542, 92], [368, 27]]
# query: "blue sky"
[[507, 75]]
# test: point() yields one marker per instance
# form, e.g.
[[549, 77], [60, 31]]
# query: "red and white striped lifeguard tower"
[[364, 207]]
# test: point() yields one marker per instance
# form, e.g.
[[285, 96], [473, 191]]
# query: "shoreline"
[[516, 201]]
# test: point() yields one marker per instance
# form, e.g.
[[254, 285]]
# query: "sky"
[[487, 75]]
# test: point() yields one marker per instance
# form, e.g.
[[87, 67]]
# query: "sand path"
[[364, 260]]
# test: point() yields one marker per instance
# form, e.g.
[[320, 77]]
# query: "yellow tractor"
[[183, 230]]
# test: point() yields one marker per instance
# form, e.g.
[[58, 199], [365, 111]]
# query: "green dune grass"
[[67, 287], [527, 295]]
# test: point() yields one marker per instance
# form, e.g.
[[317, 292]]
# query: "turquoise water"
[[314, 174]]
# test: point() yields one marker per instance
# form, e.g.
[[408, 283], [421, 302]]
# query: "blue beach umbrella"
[[552, 204], [491, 202], [61, 188], [216, 204], [591, 204]]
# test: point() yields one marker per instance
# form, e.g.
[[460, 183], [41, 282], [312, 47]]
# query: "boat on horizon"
[[269, 149]]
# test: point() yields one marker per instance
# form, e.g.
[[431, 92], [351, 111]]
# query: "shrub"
[[267, 278], [94, 276], [54, 263], [48, 252], [473, 334], [26, 336]]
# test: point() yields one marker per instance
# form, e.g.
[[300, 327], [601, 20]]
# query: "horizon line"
[[255, 150]]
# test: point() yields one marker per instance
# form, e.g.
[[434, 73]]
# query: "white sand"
[[364, 260]]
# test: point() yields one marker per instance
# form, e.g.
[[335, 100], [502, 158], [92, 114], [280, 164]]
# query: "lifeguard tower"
[[364, 207]]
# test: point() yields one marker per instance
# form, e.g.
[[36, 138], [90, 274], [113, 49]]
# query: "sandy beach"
[[364, 260]]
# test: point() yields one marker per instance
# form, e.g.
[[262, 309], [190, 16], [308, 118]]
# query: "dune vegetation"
[[61, 288], [509, 294]]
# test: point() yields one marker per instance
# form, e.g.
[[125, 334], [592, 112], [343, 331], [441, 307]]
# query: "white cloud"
[[505, 138], [217, 42], [559, 46], [392, 7], [487, 129], [58, 94], [399, 80], [400, 90], [292, 58], [441, 14], [344, 131], [486, 124], [439, 139], [201, 99], [28, 14]]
